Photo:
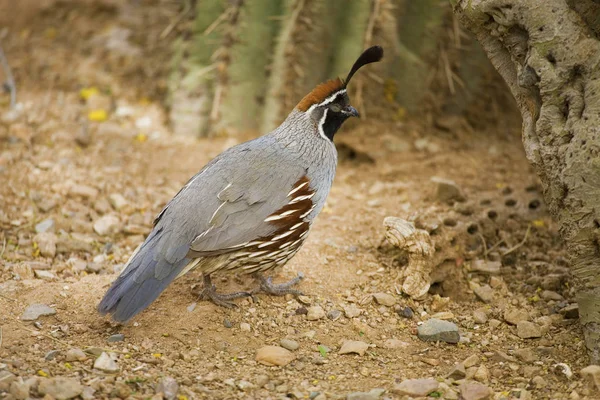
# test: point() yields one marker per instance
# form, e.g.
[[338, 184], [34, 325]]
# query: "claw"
[[281, 289], [210, 293]]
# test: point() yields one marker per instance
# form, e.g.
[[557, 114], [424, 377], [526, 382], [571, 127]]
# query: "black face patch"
[[333, 115]]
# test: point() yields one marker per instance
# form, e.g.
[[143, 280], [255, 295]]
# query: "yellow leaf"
[[156, 355], [50, 33], [181, 397], [86, 93], [68, 365], [538, 223], [144, 101], [42, 373], [140, 137], [97, 115], [500, 185]]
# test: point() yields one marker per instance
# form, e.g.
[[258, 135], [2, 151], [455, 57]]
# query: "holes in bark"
[[550, 57], [533, 204]]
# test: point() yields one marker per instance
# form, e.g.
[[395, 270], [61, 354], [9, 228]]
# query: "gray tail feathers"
[[138, 285]]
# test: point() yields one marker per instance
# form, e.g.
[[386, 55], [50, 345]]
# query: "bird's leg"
[[209, 292], [281, 289]]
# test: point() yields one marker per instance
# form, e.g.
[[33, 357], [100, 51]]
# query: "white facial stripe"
[[326, 101], [321, 122]]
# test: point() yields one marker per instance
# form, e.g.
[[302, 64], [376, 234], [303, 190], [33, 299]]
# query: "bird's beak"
[[350, 111]]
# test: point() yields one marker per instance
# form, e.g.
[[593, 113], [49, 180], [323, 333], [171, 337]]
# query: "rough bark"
[[549, 56]]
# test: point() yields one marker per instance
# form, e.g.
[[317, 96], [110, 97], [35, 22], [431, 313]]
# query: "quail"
[[247, 211]]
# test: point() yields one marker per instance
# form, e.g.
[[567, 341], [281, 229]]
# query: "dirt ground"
[[102, 177]]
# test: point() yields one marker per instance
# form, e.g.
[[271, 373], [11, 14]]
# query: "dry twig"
[[186, 9], [521, 243]]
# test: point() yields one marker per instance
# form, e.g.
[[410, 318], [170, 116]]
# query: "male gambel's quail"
[[248, 210]]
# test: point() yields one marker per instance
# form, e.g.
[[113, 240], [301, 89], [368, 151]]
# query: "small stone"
[[6, 379], [457, 372], [168, 387], [334, 315], [121, 390], [515, 315], [439, 303], [315, 313], [539, 382], [494, 323], [106, 363], [479, 316], [373, 394], [447, 191], [274, 355], [44, 275], [486, 267], [245, 327], [20, 389], [51, 355], [261, 380], [352, 311], [46, 225], [60, 388], [474, 391], [395, 344], [35, 311], [384, 299], [526, 355], [75, 354], [84, 191], [563, 370], [528, 330], [551, 295], [354, 347], [245, 386], [471, 361], [591, 374], [107, 225], [416, 387], [434, 330], [571, 311], [405, 312], [119, 337], [485, 293], [117, 201], [289, 344], [306, 300], [227, 323], [482, 374], [46, 242]]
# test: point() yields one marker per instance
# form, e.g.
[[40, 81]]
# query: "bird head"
[[328, 105]]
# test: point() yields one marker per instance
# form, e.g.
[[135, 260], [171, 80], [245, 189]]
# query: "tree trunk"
[[548, 54]]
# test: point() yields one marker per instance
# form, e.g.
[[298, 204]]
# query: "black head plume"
[[370, 55]]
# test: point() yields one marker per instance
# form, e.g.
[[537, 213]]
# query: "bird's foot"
[[278, 289], [209, 292]]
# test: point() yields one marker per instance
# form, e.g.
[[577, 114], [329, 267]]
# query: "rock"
[[439, 303], [245, 327], [539, 382], [289, 344], [51, 355], [571, 311], [485, 293], [75, 354], [457, 372], [416, 387], [87, 192], [528, 330], [107, 225], [486, 267], [334, 315], [395, 344], [591, 374], [46, 225], [551, 295], [46, 242], [274, 355], [20, 389], [434, 330], [44, 275], [384, 299], [447, 191], [482, 374], [35, 311], [526, 355], [354, 347], [119, 337], [23, 271], [6, 379], [106, 363], [71, 244], [373, 394], [352, 311], [494, 323], [405, 312], [480, 316], [474, 391], [117, 201], [168, 387], [315, 313], [245, 386], [515, 315], [471, 361], [60, 388]]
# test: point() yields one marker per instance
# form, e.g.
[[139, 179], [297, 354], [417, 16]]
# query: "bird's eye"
[[335, 107]]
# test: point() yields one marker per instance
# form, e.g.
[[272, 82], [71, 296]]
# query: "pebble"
[[482, 374], [352, 311], [494, 323], [416, 387], [434, 330], [19, 389], [35, 311], [474, 391], [117, 201], [485, 293], [84, 191], [51, 355], [372, 394], [274, 355], [439, 303], [471, 361], [457, 372], [306, 300], [479, 316], [486, 267], [354, 347], [571, 311], [106, 363], [515, 315], [60, 388], [289, 344], [591, 373], [6, 379], [334, 315], [44, 275], [75, 354], [315, 313], [46, 225], [539, 382], [395, 344], [245, 327], [447, 190], [405, 312], [168, 387], [46, 242], [551, 295], [384, 299], [227, 323], [119, 337], [525, 355], [107, 225], [528, 330], [563, 370]]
